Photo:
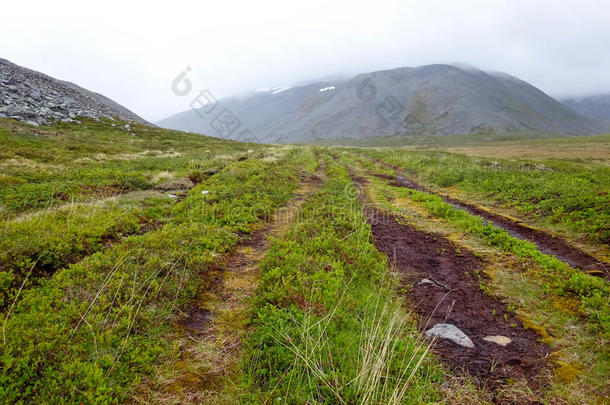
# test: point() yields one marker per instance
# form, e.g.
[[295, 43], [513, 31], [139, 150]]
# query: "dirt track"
[[455, 297], [210, 336], [546, 243]]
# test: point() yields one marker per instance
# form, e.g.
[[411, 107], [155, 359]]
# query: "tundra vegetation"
[[111, 237]]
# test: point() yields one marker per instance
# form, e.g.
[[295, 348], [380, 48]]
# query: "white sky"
[[131, 51]]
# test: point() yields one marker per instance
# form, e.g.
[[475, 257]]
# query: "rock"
[[32, 96], [498, 339], [175, 185], [33, 123], [425, 281], [211, 171], [450, 332], [127, 127]]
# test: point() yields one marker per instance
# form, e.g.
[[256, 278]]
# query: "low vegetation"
[[567, 308], [90, 330], [108, 235], [329, 326], [570, 195]]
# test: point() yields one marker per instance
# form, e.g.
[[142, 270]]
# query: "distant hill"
[[596, 107], [429, 100], [34, 97]]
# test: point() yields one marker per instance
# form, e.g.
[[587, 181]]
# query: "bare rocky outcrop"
[[33, 97]]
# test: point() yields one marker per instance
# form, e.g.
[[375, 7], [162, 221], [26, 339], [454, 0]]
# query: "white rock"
[[172, 196], [425, 281], [204, 192], [498, 339], [451, 332]]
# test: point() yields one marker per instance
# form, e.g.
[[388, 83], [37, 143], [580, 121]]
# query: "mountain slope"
[[596, 107], [36, 98], [427, 100]]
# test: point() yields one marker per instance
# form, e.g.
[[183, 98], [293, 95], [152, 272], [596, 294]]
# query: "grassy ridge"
[[329, 327], [40, 244], [87, 333]]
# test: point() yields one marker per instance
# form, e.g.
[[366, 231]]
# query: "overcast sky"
[[131, 51]]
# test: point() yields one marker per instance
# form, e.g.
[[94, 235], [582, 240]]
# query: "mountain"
[[36, 98], [596, 107], [426, 100]]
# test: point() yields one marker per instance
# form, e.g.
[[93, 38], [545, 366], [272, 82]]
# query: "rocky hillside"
[[596, 107], [427, 100], [36, 98]]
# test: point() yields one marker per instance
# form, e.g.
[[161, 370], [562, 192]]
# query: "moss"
[[568, 372]]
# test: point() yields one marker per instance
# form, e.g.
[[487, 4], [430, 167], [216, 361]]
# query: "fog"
[[132, 51]]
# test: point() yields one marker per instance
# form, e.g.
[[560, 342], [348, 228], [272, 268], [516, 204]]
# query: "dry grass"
[[595, 148], [102, 157]]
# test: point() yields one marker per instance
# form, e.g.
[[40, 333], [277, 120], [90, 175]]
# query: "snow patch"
[[272, 90], [279, 90], [326, 89]]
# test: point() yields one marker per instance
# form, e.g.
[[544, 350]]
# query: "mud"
[[547, 243], [454, 296]]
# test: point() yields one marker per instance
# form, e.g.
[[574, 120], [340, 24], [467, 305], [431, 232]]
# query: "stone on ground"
[[450, 332], [498, 339]]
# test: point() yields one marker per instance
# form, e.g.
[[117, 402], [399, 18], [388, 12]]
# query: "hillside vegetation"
[[144, 265]]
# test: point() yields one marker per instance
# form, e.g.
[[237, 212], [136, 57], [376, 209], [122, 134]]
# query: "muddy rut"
[[444, 286], [210, 337], [545, 242]]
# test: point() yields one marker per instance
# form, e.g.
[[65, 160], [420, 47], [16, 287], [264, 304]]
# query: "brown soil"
[[455, 297], [546, 242]]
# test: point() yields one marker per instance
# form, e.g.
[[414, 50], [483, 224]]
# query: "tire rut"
[[210, 337], [547, 243], [443, 281]]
